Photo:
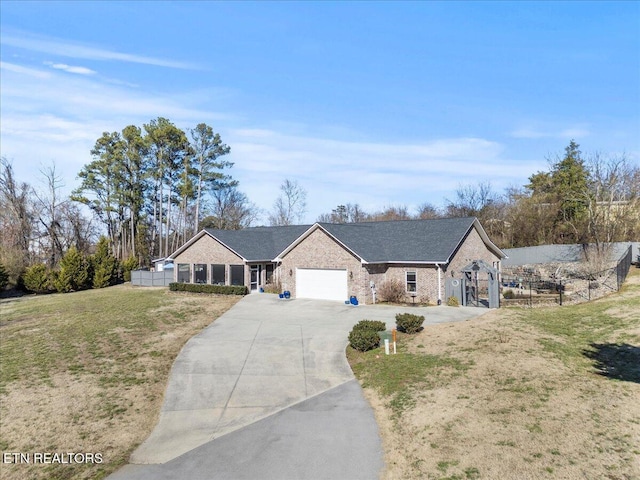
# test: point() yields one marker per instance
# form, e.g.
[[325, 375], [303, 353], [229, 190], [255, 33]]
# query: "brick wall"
[[426, 280], [472, 248], [209, 251], [319, 250]]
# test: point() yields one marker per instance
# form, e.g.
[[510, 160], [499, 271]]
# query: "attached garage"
[[322, 284]]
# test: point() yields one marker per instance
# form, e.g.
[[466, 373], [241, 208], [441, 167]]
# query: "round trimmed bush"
[[408, 322], [363, 339], [375, 325]]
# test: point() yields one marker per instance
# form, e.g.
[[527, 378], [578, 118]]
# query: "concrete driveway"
[[266, 356]]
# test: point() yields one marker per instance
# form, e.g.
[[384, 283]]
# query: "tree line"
[[582, 200], [149, 189]]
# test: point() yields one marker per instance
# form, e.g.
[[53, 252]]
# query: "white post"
[[439, 284], [386, 346]]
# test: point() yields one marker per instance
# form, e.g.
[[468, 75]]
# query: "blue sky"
[[369, 102]]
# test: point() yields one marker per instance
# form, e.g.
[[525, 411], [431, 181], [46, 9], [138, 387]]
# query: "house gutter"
[[400, 262], [439, 284]]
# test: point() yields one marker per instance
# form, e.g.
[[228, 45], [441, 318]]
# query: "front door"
[[256, 273]]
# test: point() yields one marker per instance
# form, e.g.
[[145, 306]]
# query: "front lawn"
[[86, 372], [517, 393]]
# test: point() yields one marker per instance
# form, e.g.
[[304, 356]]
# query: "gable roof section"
[[402, 241], [309, 231], [258, 243], [405, 241]]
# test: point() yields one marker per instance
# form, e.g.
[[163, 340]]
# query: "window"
[[411, 282], [200, 273], [184, 273], [237, 274], [269, 273], [218, 276]]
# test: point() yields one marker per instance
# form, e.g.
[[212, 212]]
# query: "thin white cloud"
[[371, 174], [64, 48], [578, 131], [32, 72], [60, 118], [71, 69]]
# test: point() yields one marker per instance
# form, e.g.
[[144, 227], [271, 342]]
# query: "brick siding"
[[209, 251], [319, 250]]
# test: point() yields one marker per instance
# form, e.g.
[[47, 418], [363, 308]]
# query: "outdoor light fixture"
[[351, 275], [290, 272]]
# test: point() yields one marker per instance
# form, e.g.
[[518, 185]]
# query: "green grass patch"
[[94, 362], [571, 332], [73, 328], [398, 376]]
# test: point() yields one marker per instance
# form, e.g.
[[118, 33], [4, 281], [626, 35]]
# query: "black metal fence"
[[529, 288]]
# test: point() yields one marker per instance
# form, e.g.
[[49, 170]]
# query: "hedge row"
[[204, 288]]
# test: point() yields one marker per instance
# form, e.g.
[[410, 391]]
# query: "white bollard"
[[386, 346]]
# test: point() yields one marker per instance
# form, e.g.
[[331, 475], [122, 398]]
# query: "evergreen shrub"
[[364, 339], [38, 279], [375, 325], [204, 288], [408, 322]]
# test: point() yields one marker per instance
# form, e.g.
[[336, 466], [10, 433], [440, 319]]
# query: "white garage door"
[[322, 284]]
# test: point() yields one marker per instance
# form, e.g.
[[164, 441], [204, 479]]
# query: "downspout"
[[439, 284]]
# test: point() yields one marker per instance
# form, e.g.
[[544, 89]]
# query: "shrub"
[[408, 322], [363, 339], [105, 266], [273, 287], [508, 294], [453, 301], [391, 291], [74, 272], [4, 277], [38, 279], [129, 264], [204, 288], [374, 325]]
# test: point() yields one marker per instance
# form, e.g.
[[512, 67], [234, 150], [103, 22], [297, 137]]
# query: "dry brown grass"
[[529, 405], [86, 372]]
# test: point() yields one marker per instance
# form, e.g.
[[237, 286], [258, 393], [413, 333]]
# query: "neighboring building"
[[337, 261], [161, 264]]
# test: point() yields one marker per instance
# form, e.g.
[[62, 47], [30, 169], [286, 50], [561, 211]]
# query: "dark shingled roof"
[[433, 240], [259, 243]]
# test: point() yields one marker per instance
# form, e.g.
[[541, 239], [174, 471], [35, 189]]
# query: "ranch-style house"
[[337, 261]]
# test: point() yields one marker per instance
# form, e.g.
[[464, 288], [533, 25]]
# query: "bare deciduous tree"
[[16, 221], [230, 210], [290, 206]]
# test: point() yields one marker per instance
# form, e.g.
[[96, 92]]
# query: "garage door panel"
[[322, 284]]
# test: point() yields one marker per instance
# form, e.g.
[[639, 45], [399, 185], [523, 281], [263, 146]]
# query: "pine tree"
[[74, 272], [105, 266]]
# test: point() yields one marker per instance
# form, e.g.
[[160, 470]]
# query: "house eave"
[[197, 237], [412, 262], [308, 232]]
